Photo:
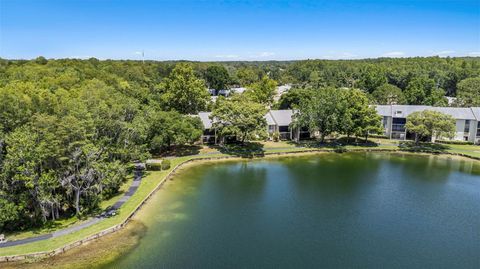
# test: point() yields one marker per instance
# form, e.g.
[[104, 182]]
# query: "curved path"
[[137, 178]]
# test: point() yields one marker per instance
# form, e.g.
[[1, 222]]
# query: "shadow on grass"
[[179, 151], [334, 143], [410, 146], [243, 150], [46, 228]]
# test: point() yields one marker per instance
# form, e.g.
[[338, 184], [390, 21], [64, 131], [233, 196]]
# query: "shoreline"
[[184, 165]]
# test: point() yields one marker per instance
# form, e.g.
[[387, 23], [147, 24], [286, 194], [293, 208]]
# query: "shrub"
[[453, 142], [378, 136], [130, 168], [340, 149], [154, 166], [166, 164], [276, 136]]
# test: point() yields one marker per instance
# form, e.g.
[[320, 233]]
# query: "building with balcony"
[[277, 121], [395, 117]]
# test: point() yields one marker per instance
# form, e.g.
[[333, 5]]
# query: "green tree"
[[41, 60], [322, 113], [247, 76], [9, 214], [82, 176], [262, 91], [239, 117], [468, 92], [27, 170], [183, 91], [217, 78], [423, 91], [292, 98], [372, 77], [15, 106], [357, 117], [389, 94], [172, 128], [430, 123]]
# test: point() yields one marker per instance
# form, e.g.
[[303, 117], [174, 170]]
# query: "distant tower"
[[143, 56]]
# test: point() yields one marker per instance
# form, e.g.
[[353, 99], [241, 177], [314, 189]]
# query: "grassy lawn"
[[153, 178], [470, 150]]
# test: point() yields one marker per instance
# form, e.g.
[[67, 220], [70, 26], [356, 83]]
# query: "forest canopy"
[[69, 127]]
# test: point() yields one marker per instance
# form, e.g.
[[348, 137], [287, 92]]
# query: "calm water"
[[355, 210]]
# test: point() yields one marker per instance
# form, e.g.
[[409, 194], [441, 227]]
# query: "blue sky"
[[238, 30]]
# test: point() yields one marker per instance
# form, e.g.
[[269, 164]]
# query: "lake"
[[362, 210]]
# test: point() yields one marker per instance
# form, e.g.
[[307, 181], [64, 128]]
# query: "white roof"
[[384, 110], [459, 113], [273, 117], [270, 120], [402, 111], [204, 117], [282, 117], [238, 90], [476, 112], [283, 88]]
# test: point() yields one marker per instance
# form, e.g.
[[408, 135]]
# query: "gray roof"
[[459, 113], [204, 117], [476, 112], [402, 111], [270, 120], [282, 117], [273, 117], [384, 110], [399, 111]]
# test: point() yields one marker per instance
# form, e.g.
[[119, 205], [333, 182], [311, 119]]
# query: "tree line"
[[69, 128]]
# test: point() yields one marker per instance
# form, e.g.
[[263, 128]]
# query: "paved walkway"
[[133, 188]]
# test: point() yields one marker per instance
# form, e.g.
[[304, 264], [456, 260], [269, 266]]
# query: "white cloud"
[[444, 52], [474, 53], [348, 55], [80, 57], [266, 54], [394, 54], [263, 54], [138, 52], [339, 55], [227, 56]]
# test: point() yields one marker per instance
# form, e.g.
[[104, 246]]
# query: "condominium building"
[[395, 117]]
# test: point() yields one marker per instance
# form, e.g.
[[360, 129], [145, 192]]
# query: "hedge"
[[453, 142], [154, 166], [165, 164]]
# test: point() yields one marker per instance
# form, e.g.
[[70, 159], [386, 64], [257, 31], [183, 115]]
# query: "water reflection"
[[365, 210], [432, 167], [329, 174]]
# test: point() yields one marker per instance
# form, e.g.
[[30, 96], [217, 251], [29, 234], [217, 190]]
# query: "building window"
[[271, 128], [478, 130], [398, 124], [467, 126], [284, 129]]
